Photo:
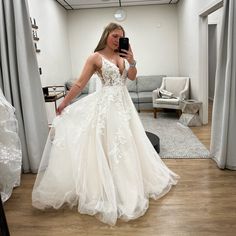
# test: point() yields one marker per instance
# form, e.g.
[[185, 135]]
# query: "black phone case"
[[123, 44]]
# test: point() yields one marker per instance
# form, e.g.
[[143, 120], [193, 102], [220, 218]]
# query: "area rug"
[[176, 139]]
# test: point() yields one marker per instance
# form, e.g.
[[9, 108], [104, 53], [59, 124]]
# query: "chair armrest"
[[162, 86], [184, 94], [155, 94]]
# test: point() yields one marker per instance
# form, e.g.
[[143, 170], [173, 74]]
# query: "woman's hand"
[[61, 108], [128, 55]]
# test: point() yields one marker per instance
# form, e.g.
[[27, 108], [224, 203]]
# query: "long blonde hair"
[[103, 40]]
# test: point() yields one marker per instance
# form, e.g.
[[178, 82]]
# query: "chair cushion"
[[149, 83], [145, 97], [170, 101], [175, 85], [165, 94]]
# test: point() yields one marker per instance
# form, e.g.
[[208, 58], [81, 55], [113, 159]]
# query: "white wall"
[[67, 38], [153, 33], [188, 21], [54, 58]]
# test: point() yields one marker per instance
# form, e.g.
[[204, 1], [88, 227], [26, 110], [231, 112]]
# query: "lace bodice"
[[111, 75]]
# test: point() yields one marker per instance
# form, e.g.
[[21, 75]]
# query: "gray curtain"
[[20, 80], [223, 137]]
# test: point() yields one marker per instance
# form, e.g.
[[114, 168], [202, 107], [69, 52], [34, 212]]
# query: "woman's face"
[[113, 39]]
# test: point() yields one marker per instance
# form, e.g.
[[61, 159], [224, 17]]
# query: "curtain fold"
[[223, 136], [20, 80]]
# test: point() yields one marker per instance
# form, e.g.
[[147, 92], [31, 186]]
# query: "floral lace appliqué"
[[111, 74], [116, 152]]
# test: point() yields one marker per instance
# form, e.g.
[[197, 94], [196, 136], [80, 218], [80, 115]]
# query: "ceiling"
[[88, 4]]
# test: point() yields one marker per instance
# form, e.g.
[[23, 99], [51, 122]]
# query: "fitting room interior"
[[167, 39]]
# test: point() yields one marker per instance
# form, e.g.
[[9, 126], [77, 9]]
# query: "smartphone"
[[123, 44]]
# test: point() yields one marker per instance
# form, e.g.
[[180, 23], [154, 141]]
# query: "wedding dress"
[[10, 149], [98, 157]]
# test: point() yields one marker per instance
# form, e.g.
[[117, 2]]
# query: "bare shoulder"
[[95, 59]]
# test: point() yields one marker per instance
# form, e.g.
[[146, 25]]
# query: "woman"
[[98, 156]]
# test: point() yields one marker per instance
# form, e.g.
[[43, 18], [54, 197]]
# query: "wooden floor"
[[202, 203]]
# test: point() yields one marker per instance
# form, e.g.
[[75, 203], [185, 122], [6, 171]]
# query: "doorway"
[[204, 56]]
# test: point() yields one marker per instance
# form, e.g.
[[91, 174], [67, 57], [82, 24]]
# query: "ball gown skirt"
[[98, 158]]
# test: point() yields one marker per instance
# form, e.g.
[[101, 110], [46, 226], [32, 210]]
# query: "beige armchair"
[[177, 86]]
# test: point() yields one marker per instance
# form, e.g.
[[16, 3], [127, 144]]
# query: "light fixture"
[[120, 13]]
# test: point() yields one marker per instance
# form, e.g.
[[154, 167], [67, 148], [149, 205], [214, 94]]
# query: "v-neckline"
[[121, 74], [110, 62]]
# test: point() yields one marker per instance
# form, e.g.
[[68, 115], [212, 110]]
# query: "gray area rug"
[[176, 140]]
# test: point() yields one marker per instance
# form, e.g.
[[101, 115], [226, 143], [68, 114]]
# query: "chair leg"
[[155, 112], [179, 112]]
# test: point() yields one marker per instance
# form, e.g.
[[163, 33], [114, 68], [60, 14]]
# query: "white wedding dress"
[[98, 157]]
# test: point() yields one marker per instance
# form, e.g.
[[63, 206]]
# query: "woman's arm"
[[132, 72], [87, 72], [129, 56]]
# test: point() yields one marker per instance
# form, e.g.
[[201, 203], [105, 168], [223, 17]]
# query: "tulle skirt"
[[99, 159]]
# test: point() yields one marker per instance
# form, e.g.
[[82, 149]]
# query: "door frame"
[[203, 56]]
